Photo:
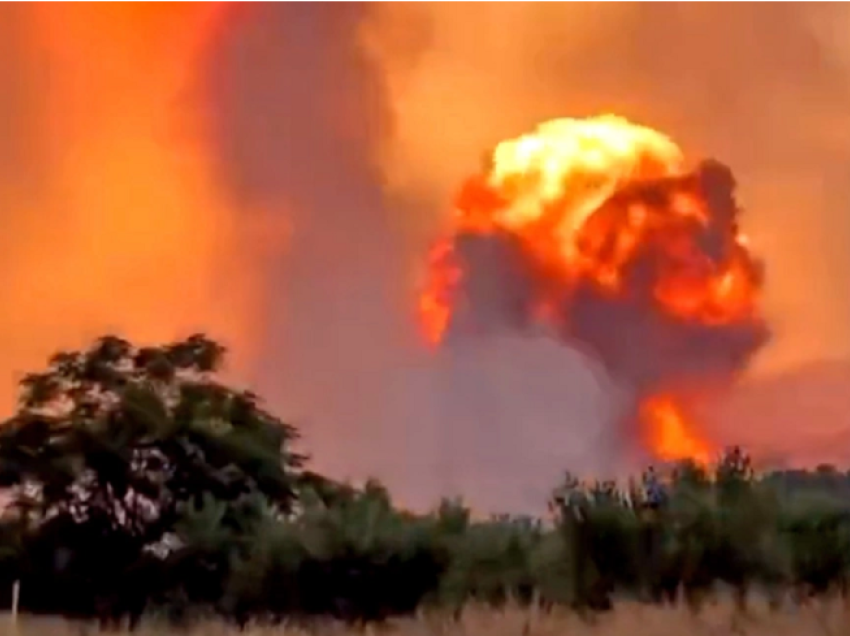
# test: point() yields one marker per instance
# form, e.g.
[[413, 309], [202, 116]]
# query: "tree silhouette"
[[110, 447]]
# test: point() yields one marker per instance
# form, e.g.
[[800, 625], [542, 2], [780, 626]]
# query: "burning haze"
[[156, 156]]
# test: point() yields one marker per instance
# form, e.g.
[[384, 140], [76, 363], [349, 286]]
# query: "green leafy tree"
[[111, 446]]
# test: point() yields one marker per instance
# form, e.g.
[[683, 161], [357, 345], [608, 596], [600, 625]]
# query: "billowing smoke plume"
[[596, 229], [700, 73], [653, 349], [771, 101]]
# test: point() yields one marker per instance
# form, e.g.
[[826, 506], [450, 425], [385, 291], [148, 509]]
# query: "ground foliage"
[[141, 484]]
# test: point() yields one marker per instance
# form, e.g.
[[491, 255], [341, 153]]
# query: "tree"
[[119, 441]]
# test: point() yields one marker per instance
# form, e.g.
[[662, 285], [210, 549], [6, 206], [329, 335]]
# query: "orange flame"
[[669, 433], [552, 188], [589, 198]]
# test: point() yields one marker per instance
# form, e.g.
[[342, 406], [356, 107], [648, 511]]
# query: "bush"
[[349, 553]]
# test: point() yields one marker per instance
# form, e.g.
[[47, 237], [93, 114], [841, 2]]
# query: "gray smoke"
[[639, 344]]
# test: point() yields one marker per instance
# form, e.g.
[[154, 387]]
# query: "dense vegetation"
[[139, 483]]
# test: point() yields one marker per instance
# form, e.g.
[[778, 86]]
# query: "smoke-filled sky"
[[114, 211], [273, 173]]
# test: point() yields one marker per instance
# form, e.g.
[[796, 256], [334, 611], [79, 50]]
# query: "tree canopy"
[[122, 442]]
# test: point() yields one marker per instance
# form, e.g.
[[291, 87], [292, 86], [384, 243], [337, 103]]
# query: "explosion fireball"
[[600, 231]]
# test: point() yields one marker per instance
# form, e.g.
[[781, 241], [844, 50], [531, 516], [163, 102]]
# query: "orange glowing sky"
[[124, 208], [123, 227]]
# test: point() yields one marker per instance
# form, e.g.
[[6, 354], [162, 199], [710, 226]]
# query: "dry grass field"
[[821, 618]]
